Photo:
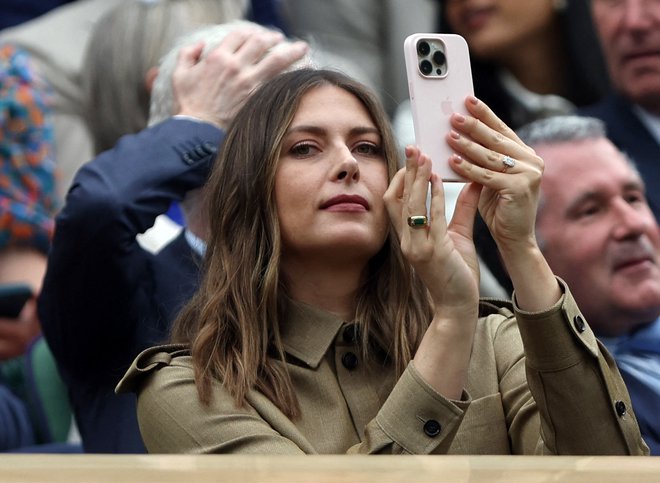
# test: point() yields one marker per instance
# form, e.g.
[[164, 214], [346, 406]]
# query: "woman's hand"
[[444, 257], [492, 155], [446, 261]]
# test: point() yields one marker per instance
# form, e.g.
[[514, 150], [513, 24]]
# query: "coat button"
[[188, 159], [349, 360], [432, 428], [579, 324], [620, 407], [350, 334], [201, 151], [210, 147]]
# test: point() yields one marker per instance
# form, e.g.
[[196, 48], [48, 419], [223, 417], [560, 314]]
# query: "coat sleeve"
[[583, 403], [414, 419], [96, 289]]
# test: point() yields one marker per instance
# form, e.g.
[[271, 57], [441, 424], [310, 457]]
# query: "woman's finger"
[[418, 167], [462, 222], [486, 115], [393, 198], [437, 211]]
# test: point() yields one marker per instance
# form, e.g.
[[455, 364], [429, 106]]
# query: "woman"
[[530, 59], [315, 331]]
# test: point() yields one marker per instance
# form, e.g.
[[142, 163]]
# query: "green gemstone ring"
[[419, 221]]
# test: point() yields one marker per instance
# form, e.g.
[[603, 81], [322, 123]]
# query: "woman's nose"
[[348, 167]]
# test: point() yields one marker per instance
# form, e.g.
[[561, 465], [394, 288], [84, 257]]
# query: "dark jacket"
[[104, 297]]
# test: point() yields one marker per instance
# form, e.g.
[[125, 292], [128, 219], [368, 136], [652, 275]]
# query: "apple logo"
[[446, 107]]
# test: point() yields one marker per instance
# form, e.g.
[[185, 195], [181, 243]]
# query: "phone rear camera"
[[439, 58], [423, 48], [426, 67]]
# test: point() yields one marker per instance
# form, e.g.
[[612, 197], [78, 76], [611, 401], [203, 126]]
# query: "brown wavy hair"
[[232, 323]]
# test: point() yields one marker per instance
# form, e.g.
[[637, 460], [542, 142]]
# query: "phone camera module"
[[426, 67], [439, 58], [423, 48]]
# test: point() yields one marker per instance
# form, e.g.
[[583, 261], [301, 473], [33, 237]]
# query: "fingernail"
[[454, 134], [473, 100], [459, 117], [457, 159]]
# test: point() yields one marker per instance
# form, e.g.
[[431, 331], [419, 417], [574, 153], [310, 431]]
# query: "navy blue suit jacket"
[[104, 297], [626, 130]]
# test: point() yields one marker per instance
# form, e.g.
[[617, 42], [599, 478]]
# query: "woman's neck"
[[328, 286], [539, 64]]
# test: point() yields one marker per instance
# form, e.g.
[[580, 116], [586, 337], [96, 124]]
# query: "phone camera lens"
[[439, 58], [423, 48], [426, 67]]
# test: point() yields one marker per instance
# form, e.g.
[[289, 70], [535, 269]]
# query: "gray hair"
[[163, 103], [128, 41], [561, 129]]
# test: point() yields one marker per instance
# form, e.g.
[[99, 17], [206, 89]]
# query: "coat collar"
[[307, 332]]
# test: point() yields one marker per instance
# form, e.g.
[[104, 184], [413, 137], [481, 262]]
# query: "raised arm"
[[582, 401]]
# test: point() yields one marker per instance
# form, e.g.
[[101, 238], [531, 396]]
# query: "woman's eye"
[[368, 149], [303, 149]]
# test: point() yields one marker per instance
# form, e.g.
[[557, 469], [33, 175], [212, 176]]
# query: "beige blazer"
[[564, 397]]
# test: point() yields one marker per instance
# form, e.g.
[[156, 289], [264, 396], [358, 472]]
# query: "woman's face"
[[330, 180], [494, 29]]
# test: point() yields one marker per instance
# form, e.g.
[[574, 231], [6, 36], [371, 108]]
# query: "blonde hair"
[[233, 321]]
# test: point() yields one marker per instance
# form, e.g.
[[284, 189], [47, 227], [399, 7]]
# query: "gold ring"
[[418, 221]]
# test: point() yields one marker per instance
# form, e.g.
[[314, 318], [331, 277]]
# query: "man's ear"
[[150, 77]]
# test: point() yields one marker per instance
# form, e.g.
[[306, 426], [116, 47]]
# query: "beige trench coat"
[[537, 384]]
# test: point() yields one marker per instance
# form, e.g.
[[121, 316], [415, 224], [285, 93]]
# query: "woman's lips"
[[476, 19], [349, 203]]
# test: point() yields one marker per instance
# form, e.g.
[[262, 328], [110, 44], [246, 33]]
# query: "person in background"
[[105, 298], [529, 59], [27, 206], [629, 32], [596, 230], [117, 87], [56, 42], [323, 325]]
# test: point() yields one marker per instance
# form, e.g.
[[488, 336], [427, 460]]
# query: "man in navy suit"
[[629, 31], [104, 297]]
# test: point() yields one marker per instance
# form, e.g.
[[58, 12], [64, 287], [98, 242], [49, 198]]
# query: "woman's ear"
[[150, 77]]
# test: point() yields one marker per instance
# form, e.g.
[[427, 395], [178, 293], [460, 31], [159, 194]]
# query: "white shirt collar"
[[545, 104], [650, 121]]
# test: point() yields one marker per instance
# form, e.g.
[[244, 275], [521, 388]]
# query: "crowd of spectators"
[[155, 208]]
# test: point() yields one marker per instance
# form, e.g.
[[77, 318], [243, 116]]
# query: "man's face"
[[597, 232], [629, 32]]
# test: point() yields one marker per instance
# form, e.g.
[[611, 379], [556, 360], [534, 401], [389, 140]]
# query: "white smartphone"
[[439, 80]]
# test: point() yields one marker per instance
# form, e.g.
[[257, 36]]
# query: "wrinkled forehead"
[[575, 167]]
